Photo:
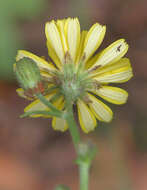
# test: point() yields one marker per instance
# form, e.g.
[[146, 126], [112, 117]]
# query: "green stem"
[[48, 104], [41, 112], [84, 176], [72, 126], [83, 164], [85, 151]]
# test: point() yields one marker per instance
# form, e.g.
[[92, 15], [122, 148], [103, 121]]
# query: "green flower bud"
[[28, 75]]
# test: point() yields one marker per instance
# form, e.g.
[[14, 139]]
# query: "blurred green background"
[[32, 155], [12, 13]]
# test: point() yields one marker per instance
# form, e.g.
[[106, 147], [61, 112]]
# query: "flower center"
[[74, 81]]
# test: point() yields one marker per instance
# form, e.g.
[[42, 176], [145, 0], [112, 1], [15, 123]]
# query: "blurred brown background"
[[32, 155]]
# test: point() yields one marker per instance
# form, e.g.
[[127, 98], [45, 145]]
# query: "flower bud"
[[28, 75]]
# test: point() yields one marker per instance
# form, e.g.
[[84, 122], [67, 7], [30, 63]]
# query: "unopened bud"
[[28, 75]]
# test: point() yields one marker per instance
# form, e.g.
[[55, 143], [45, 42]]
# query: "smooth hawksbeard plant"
[[75, 76]]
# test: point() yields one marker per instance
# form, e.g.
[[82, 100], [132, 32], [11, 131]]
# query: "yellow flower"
[[77, 74]]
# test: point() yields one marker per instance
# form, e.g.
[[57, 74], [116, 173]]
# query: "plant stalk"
[[84, 176], [73, 128]]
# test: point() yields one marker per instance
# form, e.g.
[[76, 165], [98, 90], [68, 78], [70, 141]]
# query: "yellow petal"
[[61, 26], [114, 95], [72, 31], [21, 93], [112, 53], [53, 55], [59, 123], [59, 103], [81, 46], [92, 61], [54, 39], [45, 75], [86, 118], [100, 110], [42, 64], [93, 39], [118, 72], [37, 105]]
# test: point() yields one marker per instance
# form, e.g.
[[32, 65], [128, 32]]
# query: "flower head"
[[77, 75]]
